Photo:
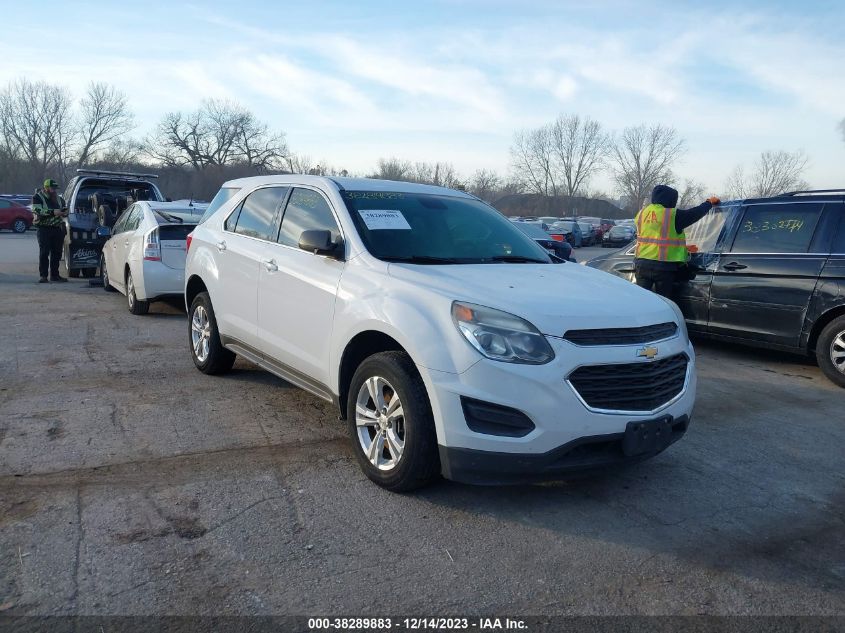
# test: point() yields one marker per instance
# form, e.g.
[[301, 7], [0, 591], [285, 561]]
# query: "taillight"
[[557, 238], [188, 241], [152, 247]]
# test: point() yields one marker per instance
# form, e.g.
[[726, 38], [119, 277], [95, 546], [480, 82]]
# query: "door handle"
[[734, 266], [270, 265], [221, 245]]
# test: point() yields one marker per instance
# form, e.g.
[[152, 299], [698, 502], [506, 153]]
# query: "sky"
[[453, 80]]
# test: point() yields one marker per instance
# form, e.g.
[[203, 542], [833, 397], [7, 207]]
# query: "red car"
[[14, 216]]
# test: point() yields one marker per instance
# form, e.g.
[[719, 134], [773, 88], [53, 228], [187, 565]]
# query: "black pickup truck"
[[768, 272], [96, 198]]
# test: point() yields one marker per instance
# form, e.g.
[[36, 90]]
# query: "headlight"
[[501, 336], [682, 322]]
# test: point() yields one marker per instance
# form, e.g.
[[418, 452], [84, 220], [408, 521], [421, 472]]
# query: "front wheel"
[[830, 351], [20, 226], [390, 420], [208, 352], [136, 306]]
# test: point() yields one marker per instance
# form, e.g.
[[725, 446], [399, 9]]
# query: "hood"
[[665, 196], [554, 297]]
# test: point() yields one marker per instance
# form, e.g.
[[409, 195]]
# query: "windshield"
[[534, 231], [436, 229], [566, 226], [621, 230]]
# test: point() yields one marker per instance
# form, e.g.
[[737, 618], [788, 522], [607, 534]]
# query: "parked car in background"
[[561, 249], [144, 257], [14, 216], [768, 272], [548, 220], [570, 229], [589, 235], [607, 224], [619, 236], [446, 337]]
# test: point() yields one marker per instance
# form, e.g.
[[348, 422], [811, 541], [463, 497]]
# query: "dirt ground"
[[130, 483]]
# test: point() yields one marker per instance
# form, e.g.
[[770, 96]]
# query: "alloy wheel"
[[380, 422], [200, 333], [837, 352]]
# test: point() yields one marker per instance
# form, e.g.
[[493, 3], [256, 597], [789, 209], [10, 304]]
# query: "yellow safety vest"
[[656, 235]]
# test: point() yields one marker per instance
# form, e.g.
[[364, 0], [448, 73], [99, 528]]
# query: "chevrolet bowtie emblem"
[[647, 352]]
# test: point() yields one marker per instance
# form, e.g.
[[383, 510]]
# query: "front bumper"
[[562, 420], [583, 455]]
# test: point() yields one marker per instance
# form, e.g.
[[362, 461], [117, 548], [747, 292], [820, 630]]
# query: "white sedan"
[[144, 257]]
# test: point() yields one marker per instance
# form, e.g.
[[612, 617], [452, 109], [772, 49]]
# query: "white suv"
[[450, 341]]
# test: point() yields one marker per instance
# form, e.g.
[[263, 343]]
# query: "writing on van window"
[[791, 225], [373, 195]]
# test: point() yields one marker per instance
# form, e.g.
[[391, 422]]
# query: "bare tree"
[[642, 158], [485, 184], [774, 173], [219, 133], [394, 169], [105, 118], [532, 160], [579, 146], [691, 193], [736, 186], [36, 126]]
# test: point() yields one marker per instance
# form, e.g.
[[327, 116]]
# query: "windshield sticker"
[[384, 219]]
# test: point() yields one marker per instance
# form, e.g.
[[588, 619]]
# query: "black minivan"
[[768, 272]]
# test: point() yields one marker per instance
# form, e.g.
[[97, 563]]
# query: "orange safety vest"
[[656, 235]]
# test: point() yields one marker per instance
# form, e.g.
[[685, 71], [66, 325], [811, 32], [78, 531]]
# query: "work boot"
[[43, 280], [57, 278]]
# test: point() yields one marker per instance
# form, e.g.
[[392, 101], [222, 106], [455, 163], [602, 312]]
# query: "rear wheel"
[[20, 226], [88, 273], [391, 424], [104, 274], [830, 351], [136, 306], [208, 352]]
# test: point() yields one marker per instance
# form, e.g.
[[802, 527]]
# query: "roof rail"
[[796, 193], [103, 172]]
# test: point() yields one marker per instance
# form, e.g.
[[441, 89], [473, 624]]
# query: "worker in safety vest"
[[661, 243], [49, 210]]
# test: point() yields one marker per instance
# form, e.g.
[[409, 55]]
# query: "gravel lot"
[[130, 483]]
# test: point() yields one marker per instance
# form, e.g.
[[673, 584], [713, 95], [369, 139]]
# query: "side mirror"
[[320, 243], [103, 231]]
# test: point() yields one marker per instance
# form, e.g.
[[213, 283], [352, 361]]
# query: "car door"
[[245, 235], [763, 282], [5, 214], [705, 239], [297, 289], [119, 243]]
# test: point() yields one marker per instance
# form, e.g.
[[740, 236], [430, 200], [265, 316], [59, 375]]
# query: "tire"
[[208, 352], [104, 275], [20, 226], [830, 351], [397, 467], [73, 272], [136, 306], [88, 273]]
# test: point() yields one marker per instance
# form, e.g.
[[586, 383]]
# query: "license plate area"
[[647, 436]]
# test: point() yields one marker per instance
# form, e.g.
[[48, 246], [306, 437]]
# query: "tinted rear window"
[[223, 196]]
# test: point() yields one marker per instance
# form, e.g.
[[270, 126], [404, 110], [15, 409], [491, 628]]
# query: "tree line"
[[45, 132]]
